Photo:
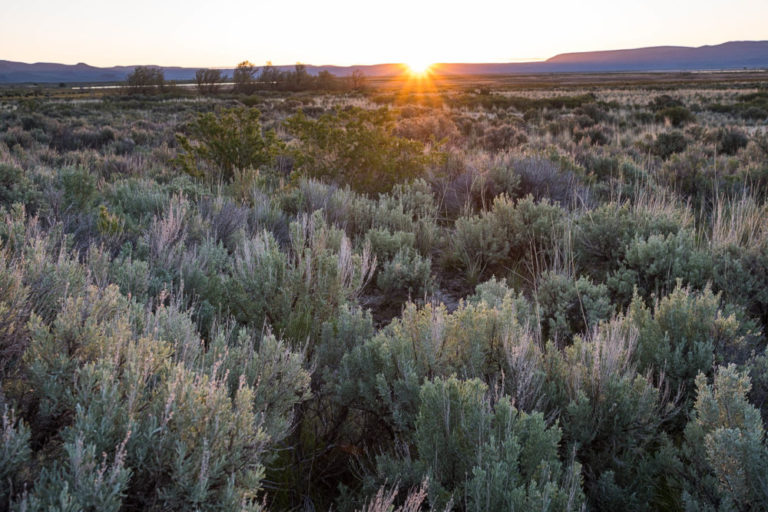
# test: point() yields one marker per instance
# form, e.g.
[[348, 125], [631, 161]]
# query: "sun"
[[418, 67]]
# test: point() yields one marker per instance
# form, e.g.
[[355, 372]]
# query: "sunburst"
[[419, 67]]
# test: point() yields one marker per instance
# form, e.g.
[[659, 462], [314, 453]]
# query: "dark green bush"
[[602, 398], [669, 143], [676, 116], [664, 101], [16, 187], [729, 142], [569, 306], [15, 455], [484, 457], [218, 146], [603, 234], [512, 235], [686, 334], [652, 265], [357, 148], [502, 137], [406, 275]]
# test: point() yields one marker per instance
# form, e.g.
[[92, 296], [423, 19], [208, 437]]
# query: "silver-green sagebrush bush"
[[460, 298], [513, 236], [568, 307], [151, 420], [15, 455], [295, 292], [484, 456], [601, 395], [725, 446], [687, 333]]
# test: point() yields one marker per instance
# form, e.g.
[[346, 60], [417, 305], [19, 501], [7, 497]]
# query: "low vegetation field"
[[416, 293]]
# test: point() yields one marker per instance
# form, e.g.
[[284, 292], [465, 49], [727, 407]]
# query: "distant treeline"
[[247, 79]]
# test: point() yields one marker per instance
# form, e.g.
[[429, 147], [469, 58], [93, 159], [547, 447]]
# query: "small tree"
[[357, 147], [232, 141], [146, 79], [326, 80], [300, 78], [208, 80], [270, 76], [244, 78], [357, 80]]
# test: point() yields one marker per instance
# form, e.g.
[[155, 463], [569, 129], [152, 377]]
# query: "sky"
[[221, 33]]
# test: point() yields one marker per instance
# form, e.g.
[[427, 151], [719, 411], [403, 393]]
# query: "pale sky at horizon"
[[195, 33]]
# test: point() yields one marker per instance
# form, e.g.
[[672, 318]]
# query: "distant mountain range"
[[726, 56]]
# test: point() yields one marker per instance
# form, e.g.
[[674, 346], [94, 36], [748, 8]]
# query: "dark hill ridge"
[[731, 55], [735, 54]]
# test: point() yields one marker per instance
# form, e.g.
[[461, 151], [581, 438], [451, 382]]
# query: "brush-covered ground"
[[421, 296]]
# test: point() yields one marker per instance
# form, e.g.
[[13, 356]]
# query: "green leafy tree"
[[357, 147], [270, 76], [326, 81], [218, 146], [300, 79]]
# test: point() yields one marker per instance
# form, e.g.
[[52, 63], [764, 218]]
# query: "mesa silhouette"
[[727, 56]]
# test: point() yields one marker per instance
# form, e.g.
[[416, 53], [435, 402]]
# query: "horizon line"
[[518, 60]]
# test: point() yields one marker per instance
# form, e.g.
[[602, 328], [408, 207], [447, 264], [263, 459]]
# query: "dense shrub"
[[15, 455], [602, 398], [502, 137], [741, 273], [512, 235], [686, 334], [358, 148], [218, 146], [724, 446], [595, 136], [65, 138], [294, 293], [731, 141], [16, 187], [407, 274], [602, 235], [568, 306], [677, 116], [664, 101], [430, 128], [544, 179], [669, 143], [14, 313], [300, 330], [652, 265], [207, 415], [483, 457], [488, 338]]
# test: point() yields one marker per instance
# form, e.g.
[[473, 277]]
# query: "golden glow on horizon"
[[418, 67]]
